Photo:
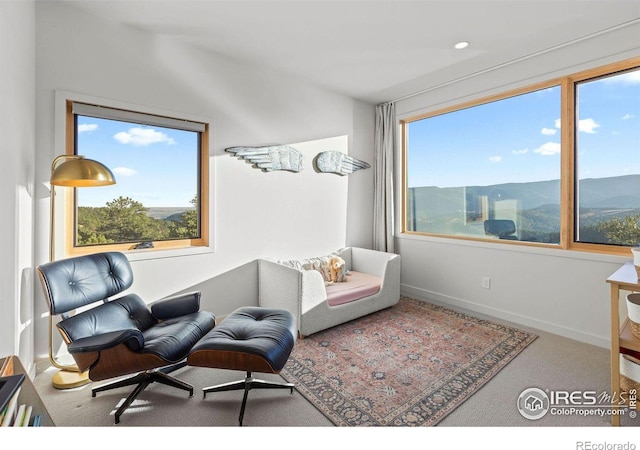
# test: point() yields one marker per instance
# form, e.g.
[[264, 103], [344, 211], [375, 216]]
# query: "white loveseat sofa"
[[374, 284]]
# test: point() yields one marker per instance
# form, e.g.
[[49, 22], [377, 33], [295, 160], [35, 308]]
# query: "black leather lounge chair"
[[122, 335]]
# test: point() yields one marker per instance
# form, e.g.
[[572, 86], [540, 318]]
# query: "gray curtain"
[[383, 208]]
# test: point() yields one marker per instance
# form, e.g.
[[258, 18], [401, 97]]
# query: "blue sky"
[[153, 165], [518, 139]]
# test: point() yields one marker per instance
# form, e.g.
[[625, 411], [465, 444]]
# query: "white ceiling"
[[373, 50]]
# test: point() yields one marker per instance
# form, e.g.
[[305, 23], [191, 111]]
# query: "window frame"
[[568, 157], [70, 204]]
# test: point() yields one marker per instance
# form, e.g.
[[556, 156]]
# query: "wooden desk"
[[623, 279]]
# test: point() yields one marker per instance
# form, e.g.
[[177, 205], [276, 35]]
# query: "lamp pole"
[[71, 171]]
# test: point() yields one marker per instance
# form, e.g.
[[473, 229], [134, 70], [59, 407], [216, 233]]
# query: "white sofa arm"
[[288, 288], [278, 286], [313, 291], [371, 261]]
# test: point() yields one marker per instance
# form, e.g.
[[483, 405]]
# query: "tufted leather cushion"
[[75, 282], [264, 333], [172, 339], [125, 313]]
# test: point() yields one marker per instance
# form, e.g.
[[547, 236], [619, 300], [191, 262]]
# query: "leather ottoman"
[[251, 339]]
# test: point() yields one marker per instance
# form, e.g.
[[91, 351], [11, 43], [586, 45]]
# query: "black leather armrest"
[[176, 305], [133, 339]]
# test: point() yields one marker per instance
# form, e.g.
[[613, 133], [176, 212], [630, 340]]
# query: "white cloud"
[[520, 152], [557, 123], [628, 116], [548, 149], [587, 126], [124, 171], [142, 136], [548, 131], [87, 127], [495, 159], [626, 78]]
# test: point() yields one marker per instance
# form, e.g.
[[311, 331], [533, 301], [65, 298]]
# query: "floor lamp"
[[71, 171]]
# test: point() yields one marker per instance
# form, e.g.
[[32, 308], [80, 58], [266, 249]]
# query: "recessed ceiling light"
[[461, 45]]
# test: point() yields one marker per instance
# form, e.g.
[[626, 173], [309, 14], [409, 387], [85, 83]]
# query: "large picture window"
[[557, 164], [490, 170], [160, 165]]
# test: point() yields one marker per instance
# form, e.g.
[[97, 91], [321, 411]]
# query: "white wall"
[[559, 291], [253, 214], [17, 129]]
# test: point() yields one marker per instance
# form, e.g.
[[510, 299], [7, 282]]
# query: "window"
[[608, 159], [557, 164], [495, 164], [160, 165]]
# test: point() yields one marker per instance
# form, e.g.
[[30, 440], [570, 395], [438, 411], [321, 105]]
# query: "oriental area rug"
[[408, 365]]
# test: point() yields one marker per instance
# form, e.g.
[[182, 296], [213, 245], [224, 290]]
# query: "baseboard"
[[444, 300]]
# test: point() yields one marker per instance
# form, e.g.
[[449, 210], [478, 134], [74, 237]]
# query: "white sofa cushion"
[[319, 263]]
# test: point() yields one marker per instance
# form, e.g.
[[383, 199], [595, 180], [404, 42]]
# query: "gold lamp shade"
[[78, 171]]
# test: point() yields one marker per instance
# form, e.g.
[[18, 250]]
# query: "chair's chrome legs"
[[142, 380], [247, 384]]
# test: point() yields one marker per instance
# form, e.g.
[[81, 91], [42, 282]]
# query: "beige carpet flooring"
[[550, 362]]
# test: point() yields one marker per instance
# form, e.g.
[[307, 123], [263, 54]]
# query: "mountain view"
[[534, 206]]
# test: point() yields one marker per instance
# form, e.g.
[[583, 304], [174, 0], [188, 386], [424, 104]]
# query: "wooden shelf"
[[628, 341], [622, 338], [28, 394]]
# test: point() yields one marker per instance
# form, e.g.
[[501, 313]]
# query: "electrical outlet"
[[486, 282]]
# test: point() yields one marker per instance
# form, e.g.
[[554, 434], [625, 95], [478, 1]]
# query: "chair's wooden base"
[[142, 380], [66, 379], [247, 384]]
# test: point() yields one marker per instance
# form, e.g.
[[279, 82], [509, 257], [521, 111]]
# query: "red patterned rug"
[[408, 365]]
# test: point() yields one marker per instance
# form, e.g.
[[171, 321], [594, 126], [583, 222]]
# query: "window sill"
[[150, 254], [510, 247]]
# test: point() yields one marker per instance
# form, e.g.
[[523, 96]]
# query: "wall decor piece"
[[270, 157], [338, 162]]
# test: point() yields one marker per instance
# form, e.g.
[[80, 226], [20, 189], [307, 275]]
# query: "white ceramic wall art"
[[270, 158], [338, 162]]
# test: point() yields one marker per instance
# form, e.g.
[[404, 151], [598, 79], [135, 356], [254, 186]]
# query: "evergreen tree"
[[126, 220], [622, 230]]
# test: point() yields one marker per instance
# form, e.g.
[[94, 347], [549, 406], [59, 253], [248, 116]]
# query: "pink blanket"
[[357, 286]]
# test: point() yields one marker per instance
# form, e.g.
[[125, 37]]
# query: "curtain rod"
[[520, 59]]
